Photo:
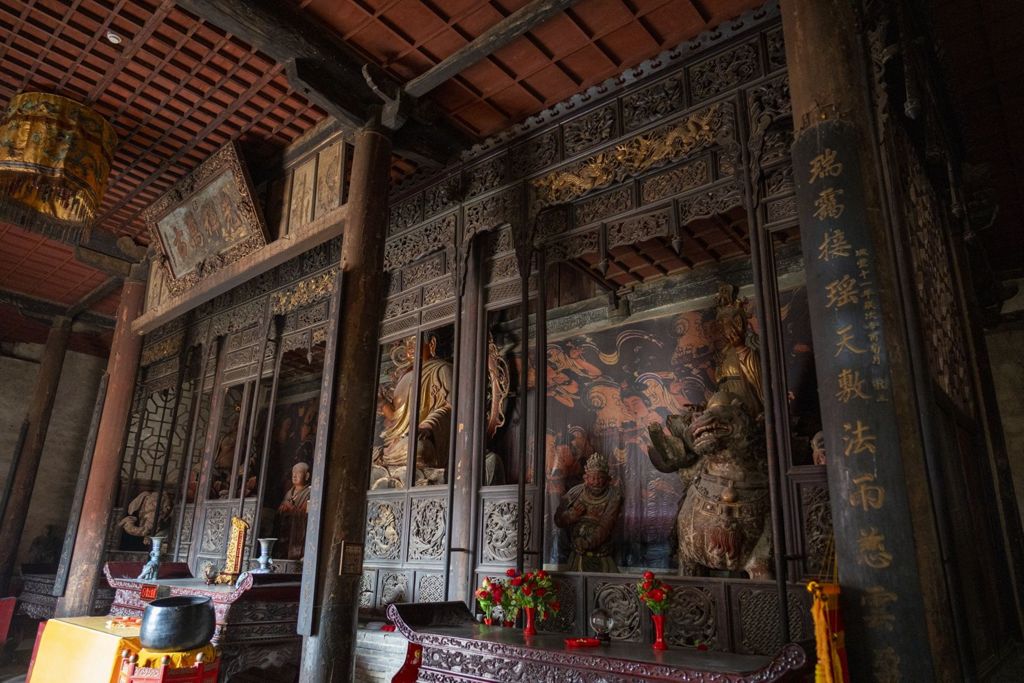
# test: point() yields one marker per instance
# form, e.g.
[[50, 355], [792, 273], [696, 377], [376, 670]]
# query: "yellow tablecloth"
[[86, 650], [81, 649]]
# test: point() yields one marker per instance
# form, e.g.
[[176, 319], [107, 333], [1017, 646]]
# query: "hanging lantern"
[[55, 156]]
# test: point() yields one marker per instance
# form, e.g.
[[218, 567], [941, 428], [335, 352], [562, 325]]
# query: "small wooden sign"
[[351, 558]]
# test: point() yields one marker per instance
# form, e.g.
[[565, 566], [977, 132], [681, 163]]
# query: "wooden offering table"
[[256, 620], [456, 648]]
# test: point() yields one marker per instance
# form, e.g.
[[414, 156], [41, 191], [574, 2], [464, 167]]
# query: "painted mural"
[[603, 390]]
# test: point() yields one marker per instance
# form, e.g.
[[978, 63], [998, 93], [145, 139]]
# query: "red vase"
[[488, 621], [659, 632], [529, 629]]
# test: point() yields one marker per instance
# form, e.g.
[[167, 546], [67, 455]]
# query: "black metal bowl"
[[177, 624]]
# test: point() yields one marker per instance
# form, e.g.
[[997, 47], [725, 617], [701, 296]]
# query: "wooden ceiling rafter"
[[195, 140]]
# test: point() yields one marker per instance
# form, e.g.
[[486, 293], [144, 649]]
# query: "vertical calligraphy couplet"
[[884, 613]]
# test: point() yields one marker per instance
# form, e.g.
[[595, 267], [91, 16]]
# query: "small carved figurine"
[[723, 519], [818, 454], [142, 519], [590, 511]]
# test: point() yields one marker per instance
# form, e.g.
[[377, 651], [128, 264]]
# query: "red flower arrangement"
[[653, 593], [488, 595], [534, 590]]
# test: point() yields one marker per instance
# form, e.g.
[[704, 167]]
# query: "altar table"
[[455, 648]]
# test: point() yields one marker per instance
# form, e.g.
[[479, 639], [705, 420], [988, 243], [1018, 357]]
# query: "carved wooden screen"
[[651, 191]]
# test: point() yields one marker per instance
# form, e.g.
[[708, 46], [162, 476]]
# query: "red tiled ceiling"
[[578, 48]]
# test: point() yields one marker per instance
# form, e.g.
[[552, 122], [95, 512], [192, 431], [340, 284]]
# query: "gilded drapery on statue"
[[395, 413]]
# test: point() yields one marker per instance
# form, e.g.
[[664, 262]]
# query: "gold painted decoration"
[[55, 156], [304, 293], [696, 131], [235, 555]]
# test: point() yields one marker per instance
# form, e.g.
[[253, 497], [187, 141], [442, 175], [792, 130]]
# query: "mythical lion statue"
[[723, 517]]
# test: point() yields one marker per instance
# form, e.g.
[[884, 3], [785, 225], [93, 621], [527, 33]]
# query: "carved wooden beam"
[[45, 310], [324, 69], [326, 227], [101, 292], [494, 38]]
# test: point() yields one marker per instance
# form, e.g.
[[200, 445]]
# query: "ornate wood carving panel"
[[428, 528], [500, 528], [621, 601], [385, 522]]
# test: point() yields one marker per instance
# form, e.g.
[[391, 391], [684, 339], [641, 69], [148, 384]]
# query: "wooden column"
[[469, 412], [327, 654], [894, 601], [87, 556], [25, 464]]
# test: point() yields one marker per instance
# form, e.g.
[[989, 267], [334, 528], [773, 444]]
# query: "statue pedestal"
[[256, 619]]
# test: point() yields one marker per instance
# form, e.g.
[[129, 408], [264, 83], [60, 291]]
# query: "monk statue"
[[433, 426], [722, 522], [589, 511], [292, 512]]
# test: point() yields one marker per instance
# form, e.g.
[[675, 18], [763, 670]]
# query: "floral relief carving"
[[652, 102], [608, 203], [410, 246], [573, 246], [818, 540], [164, 348], [589, 130], [439, 291], [776, 49], [404, 215], [402, 304], [501, 526], [944, 336], [441, 197], [424, 271], [621, 601], [384, 529], [781, 209], [367, 588], [676, 180], [724, 71], [214, 530], [639, 228], [485, 176], [535, 154], [717, 200], [394, 587], [428, 529], [491, 212], [692, 613]]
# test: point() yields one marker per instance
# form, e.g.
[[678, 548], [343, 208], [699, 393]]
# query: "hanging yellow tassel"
[[828, 633]]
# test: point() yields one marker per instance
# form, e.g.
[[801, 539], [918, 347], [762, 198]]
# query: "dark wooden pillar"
[[469, 413], [894, 601], [87, 556], [327, 654], [25, 464]]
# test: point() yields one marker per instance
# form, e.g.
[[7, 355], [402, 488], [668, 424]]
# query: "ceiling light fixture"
[[113, 38]]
